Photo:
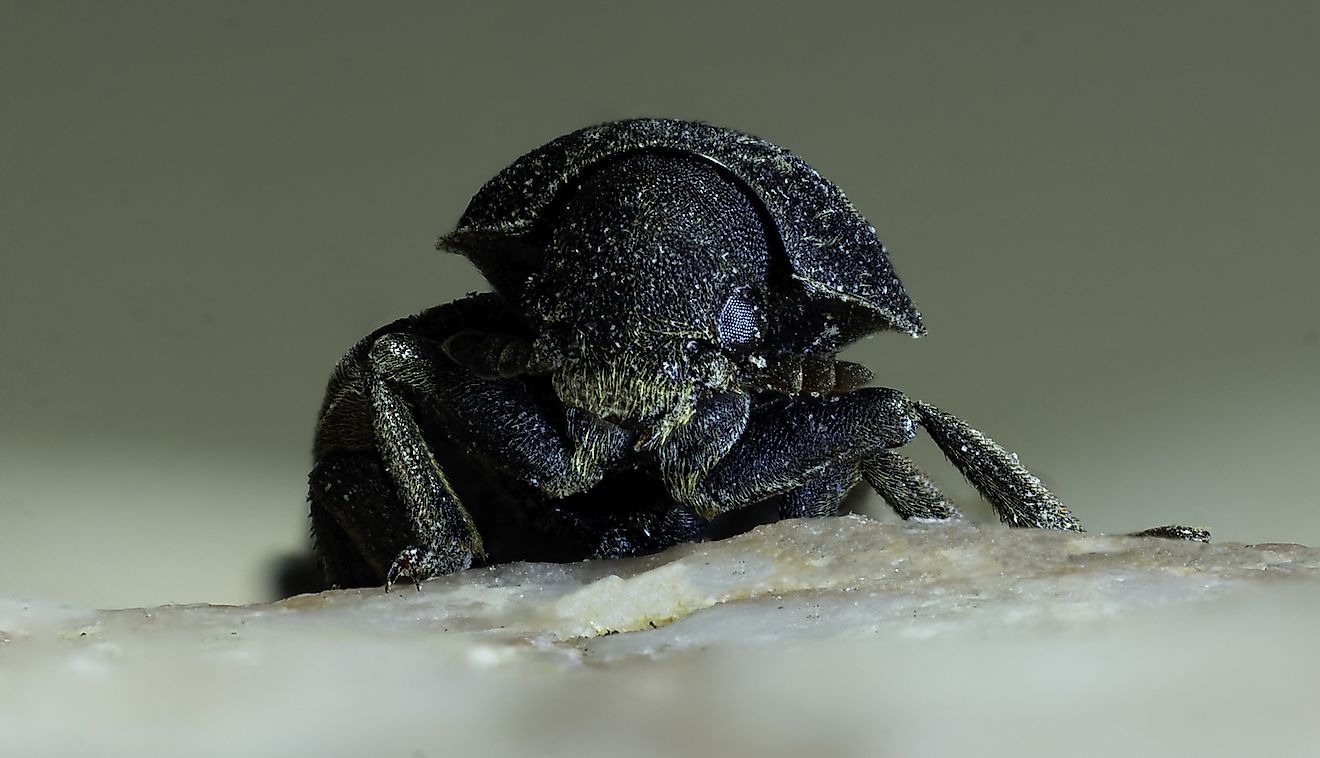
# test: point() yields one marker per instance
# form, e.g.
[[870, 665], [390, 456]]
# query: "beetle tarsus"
[[1175, 532], [405, 566]]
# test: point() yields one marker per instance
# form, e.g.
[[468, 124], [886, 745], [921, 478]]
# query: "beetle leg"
[[906, 488], [629, 533], [448, 538], [823, 494], [354, 514], [391, 513], [398, 386], [503, 420], [1014, 492], [1175, 532], [688, 455], [789, 443]]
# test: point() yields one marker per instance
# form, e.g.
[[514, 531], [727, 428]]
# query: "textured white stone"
[[834, 636]]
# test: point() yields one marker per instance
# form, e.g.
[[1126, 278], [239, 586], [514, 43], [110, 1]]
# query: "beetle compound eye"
[[740, 320]]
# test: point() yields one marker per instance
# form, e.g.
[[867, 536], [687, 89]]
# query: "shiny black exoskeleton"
[[659, 348]]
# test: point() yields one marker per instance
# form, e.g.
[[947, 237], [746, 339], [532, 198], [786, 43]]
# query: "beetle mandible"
[[660, 347]]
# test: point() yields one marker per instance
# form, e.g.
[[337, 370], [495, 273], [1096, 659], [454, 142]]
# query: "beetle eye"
[[740, 319]]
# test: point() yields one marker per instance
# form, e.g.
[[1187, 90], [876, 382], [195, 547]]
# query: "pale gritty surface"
[[830, 637]]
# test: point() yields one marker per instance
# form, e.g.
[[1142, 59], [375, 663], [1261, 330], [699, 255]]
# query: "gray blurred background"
[[1108, 217]]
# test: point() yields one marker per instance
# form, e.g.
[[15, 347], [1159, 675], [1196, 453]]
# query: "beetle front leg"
[[898, 480], [719, 425], [382, 507], [795, 442], [503, 420]]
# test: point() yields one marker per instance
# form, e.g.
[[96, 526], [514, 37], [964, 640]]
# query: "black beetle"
[[660, 348]]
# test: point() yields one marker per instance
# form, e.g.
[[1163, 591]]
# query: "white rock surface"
[[829, 637]]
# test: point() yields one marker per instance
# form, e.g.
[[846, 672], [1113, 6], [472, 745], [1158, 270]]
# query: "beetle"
[[660, 346]]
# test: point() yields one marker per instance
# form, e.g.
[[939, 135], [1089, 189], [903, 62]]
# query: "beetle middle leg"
[[906, 488], [1015, 493], [902, 485]]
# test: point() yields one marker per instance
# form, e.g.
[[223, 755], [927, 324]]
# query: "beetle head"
[[649, 286]]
